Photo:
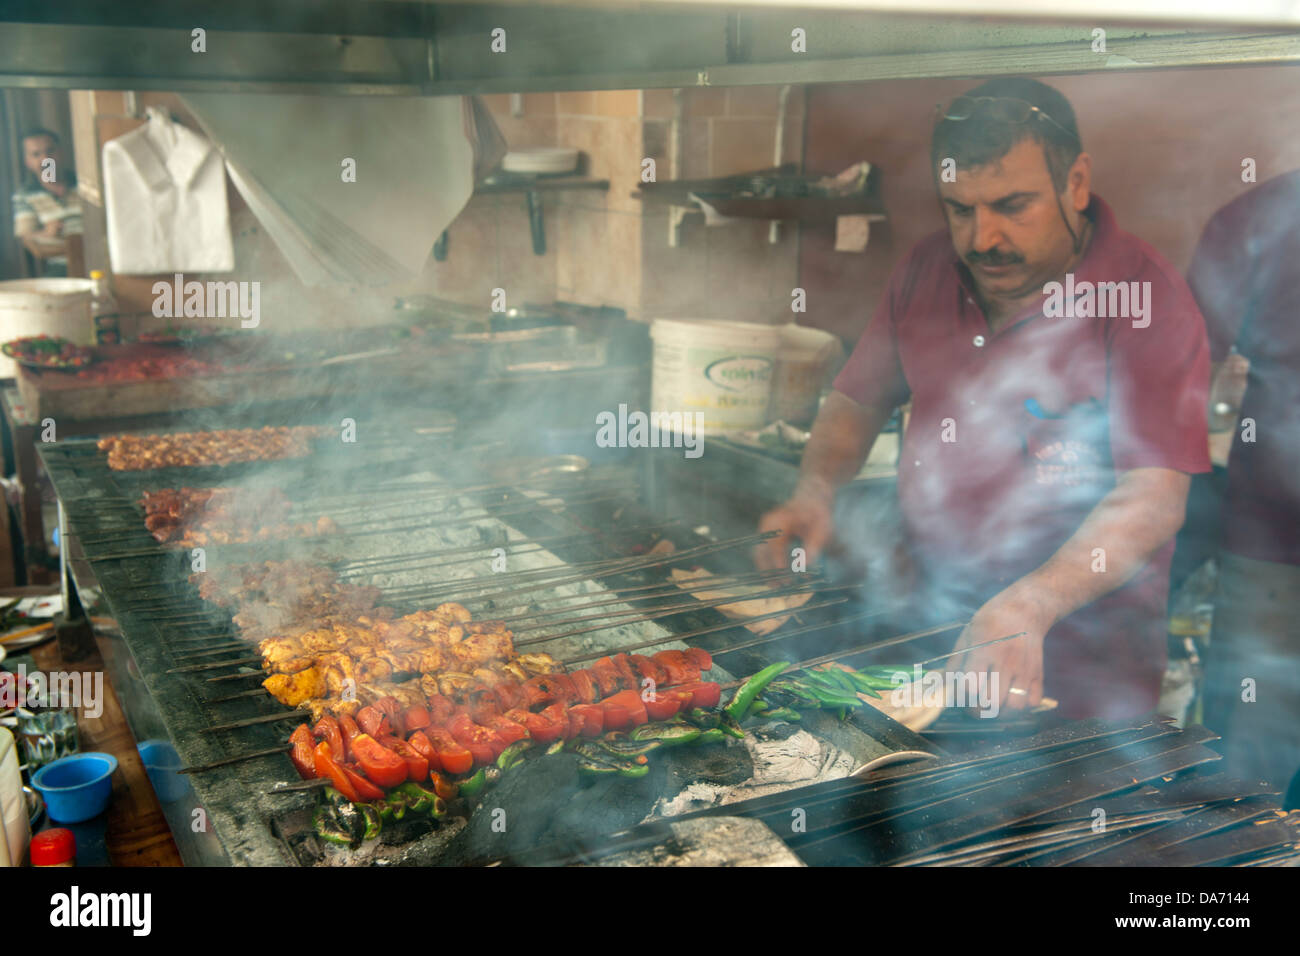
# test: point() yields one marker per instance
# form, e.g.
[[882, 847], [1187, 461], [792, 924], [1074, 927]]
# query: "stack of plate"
[[541, 160]]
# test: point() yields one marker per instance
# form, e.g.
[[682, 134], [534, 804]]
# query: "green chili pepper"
[[830, 699], [630, 748], [783, 713], [597, 761], [714, 736], [513, 754], [704, 719], [837, 676], [333, 828], [373, 822], [867, 684], [731, 727], [671, 734], [747, 691], [469, 789], [889, 672], [592, 768], [417, 797], [556, 747]]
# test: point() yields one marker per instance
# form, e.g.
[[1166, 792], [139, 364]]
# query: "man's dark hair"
[[39, 131], [986, 136]]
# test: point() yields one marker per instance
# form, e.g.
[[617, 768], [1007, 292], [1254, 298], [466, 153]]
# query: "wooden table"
[[136, 832]]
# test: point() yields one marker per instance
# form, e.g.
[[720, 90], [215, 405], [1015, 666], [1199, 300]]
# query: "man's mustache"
[[993, 258]]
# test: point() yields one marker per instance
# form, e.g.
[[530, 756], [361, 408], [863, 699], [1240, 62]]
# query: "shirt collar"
[[165, 152]]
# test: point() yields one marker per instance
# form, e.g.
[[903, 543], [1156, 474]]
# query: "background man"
[[46, 209], [1246, 277]]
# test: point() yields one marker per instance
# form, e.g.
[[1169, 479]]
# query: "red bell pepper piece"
[[350, 730], [374, 722], [558, 714], [422, 745], [303, 752], [648, 667], [440, 709], [453, 757], [630, 701], [507, 729], [327, 729], [508, 695], [480, 741], [392, 709], [700, 658], [592, 717], [704, 694], [541, 728], [627, 677], [326, 767], [585, 686], [417, 766], [661, 705], [366, 790], [415, 718], [378, 763], [606, 675]]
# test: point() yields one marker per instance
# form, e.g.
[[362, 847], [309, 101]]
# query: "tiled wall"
[[608, 248]]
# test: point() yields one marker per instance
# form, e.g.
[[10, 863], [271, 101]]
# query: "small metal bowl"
[[35, 806]]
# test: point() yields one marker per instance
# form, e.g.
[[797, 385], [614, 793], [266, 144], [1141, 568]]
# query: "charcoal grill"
[[122, 573]]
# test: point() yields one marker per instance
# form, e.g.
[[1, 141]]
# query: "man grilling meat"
[[1053, 429]]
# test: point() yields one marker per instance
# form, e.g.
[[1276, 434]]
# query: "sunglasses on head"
[[1005, 109]]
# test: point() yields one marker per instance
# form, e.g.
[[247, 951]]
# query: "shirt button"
[[979, 341], [917, 463]]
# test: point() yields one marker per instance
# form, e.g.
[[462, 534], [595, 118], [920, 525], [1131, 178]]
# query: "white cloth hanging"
[[165, 201]]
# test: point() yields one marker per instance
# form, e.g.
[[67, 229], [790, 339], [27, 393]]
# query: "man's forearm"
[[841, 438], [1119, 536]]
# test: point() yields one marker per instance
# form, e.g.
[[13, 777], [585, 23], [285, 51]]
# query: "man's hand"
[[806, 516], [52, 229], [1017, 663]]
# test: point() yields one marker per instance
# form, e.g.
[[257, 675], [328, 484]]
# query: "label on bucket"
[[731, 387]]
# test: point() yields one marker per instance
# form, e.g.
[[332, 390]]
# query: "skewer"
[[765, 639], [255, 692], [588, 571], [700, 632], [668, 589], [254, 721], [234, 661], [671, 610], [238, 758], [880, 645], [638, 612], [386, 529]]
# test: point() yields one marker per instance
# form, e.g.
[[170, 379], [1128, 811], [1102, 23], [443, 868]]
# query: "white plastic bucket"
[[805, 361], [53, 306], [721, 369]]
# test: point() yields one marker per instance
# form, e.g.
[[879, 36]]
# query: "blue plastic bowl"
[[76, 787], [161, 763]]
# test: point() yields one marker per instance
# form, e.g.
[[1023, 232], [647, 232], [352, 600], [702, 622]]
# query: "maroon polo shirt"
[[1045, 413], [1246, 278]]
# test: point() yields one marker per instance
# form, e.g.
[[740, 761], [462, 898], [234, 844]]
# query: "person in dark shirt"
[[1245, 275], [1046, 462]]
